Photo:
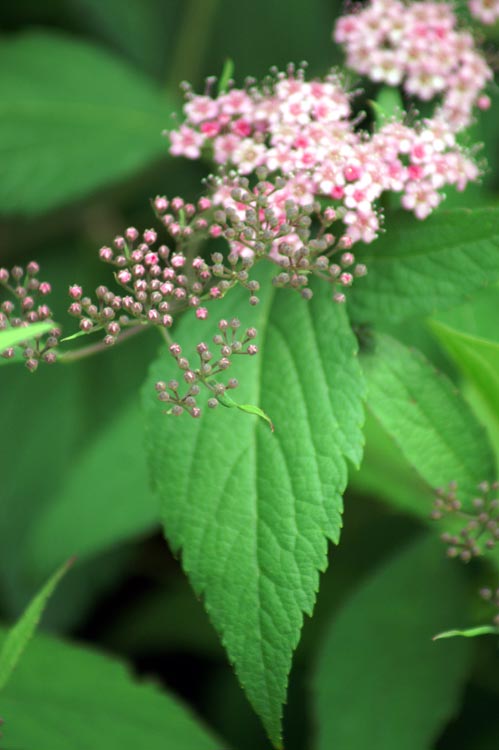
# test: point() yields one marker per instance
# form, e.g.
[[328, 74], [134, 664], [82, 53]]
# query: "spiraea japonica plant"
[[323, 301]]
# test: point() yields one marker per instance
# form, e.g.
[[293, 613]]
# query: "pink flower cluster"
[[419, 46], [305, 131], [485, 11]]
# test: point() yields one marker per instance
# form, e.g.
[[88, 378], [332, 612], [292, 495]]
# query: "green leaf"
[[18, 637], [14, 336], [227, 74], [381, 683], [105, 498], [64, 696], [247, 408], [387, 104], [418, 267], [477, 359], [73, 118], [252, 510], [468, 633], [427, 418], [386, 473]]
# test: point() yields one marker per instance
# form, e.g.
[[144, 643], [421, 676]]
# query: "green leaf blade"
[[114, 468], [65, 696], [418, 268], [73, 118], [253, 510], [20, 634], [381, 682], [425, 415]]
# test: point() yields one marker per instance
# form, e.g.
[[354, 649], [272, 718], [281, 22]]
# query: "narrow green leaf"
[[417, 268], [14, 336], [73, 118], [64, 696], [20, 634], [76, 335], [478, 360], [381, 683], [427, 418], [252, 510], [227, 74], [110, 483], [468, 633], [248, 408]]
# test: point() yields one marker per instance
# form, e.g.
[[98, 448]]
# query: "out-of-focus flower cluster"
[[480, 529], [475, 526], [418, 45], [485, 11], [26, 304]]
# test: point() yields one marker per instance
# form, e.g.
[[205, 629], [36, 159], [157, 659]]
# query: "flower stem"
[[100, 346]]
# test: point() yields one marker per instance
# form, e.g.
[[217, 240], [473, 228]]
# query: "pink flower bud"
[[119, 243], [4, 275], [201, 313], [33, 268], [483, 102], [215, 292], [151, 259], [178, 261], [132, 234], [337, 192], [106, 254], [86, 325], [215, 230], [160, 204], [252, 349], [167, 321], [150, 236], [44, 288], [44, 312], [75, 291], [153, 316], [204, 204], [346, 279], [347, 259], [176, 350], [124, 276], [177, 204]]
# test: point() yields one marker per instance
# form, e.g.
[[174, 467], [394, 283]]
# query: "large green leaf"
[[21, 633], [63, 696], [478, 360], [425, 415], [420, 267], [73, 118], [381, 682], [105, 499], [252, 510]]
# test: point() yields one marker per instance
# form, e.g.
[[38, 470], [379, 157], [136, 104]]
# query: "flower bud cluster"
[[480, 530], [265, 222], [25, 304], [418, 45], [208, 369]]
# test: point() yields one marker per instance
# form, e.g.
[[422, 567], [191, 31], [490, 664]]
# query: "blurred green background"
[[86, 88]]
